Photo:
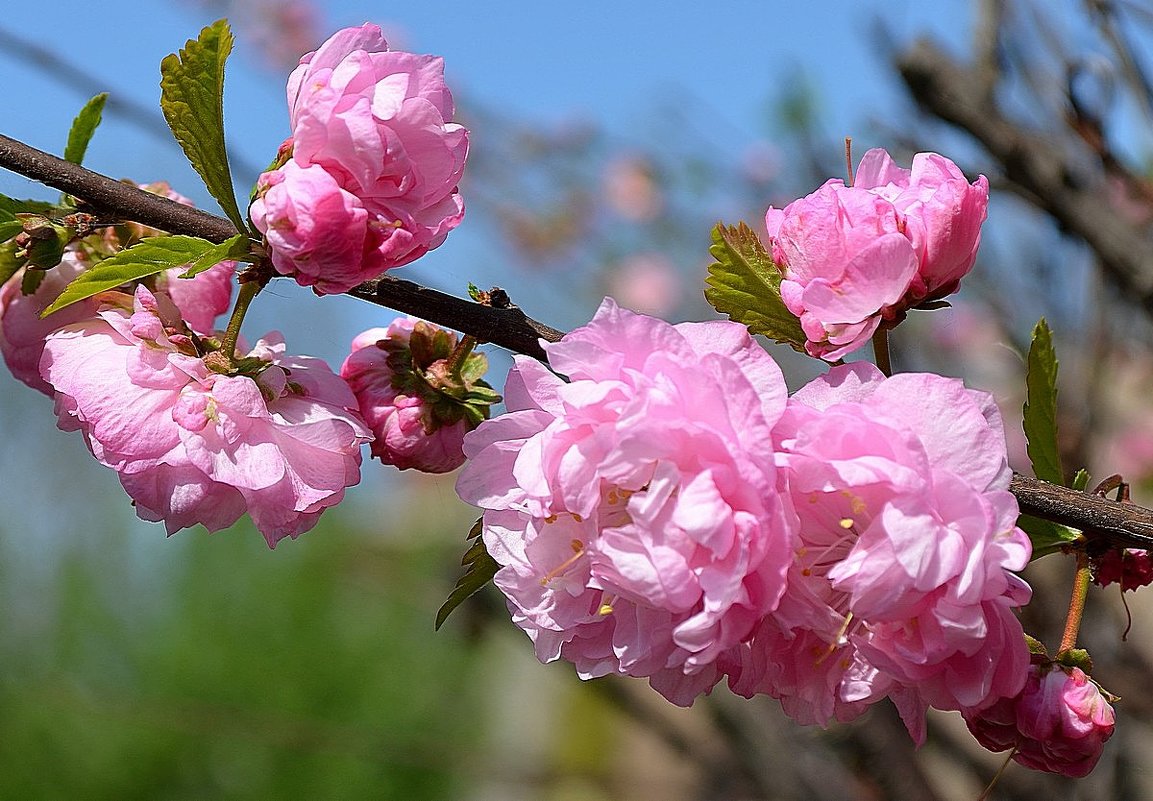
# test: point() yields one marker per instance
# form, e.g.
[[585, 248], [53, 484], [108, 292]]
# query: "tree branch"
[[1125, 525], [507, 327]]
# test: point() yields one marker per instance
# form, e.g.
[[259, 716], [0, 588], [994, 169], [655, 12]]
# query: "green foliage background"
[[206, 667]]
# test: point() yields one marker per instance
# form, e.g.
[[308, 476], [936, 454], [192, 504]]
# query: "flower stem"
[[881, 351], [996, 778], [248, 290], [1076, 602]]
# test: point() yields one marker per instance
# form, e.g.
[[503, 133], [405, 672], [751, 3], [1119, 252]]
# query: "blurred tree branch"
[[1034, 166]]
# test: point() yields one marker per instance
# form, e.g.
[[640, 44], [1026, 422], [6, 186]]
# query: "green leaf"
[[1047, 537], [10, 207], [1080, 480], [745, 284], [153, 255], [234, 248], [192, 99], [479, 570], [83, 127], [9, 229], [1041, 406], [9, 264]]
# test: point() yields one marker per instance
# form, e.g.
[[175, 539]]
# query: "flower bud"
[[420, 392], [1129, 567], [1058, 723]]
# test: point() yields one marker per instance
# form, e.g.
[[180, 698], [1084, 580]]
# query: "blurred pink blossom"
[[631, 189], [647, 282]]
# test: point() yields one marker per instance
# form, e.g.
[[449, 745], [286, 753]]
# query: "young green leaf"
[[9, 263], [235, 248], [1047, 537], [83, 127], [10, 207], [1080, 480], [9, 229], [479, 570], [1040, 419], [192, 99], [152, 255], [745, 284]]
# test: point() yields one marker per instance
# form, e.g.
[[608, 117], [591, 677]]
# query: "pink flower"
[[901, 585], [378, 125], [418, 408], [195, 446], [854, 257], [634, 508], [1059, 722], [22, 330]]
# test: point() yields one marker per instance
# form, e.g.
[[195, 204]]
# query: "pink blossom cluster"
[[901, 585], [368, 178], [633, 507], [856, 257], [1059, 722], [191, 441], [668, 512], [191, 445], [22, 329]]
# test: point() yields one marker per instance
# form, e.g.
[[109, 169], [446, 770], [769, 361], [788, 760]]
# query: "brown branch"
[[507, 327], [1124, 525], [1034, 164]]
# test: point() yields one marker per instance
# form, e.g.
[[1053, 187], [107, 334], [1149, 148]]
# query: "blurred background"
[[606, 141]]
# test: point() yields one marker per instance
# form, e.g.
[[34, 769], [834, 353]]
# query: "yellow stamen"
[[847, 523], [606, 607], [836, 643], [578, 552]]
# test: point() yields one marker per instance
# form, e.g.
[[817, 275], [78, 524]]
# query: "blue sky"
[[608, 64], [535, 60]]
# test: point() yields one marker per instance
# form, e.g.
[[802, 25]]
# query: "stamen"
[[836, 643], [578, 552], [606, 607], [856, 504]]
